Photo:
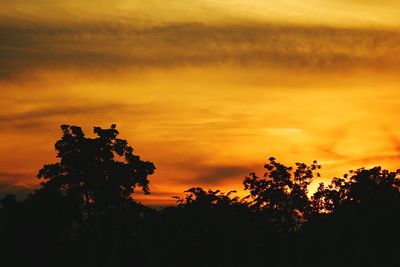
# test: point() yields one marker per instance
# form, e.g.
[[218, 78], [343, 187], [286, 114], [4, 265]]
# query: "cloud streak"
[[102, 46], [38, 118], [326, 12]]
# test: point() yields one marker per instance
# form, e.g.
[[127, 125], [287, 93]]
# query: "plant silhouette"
[[282, 192], [84, 215], [89, 169]]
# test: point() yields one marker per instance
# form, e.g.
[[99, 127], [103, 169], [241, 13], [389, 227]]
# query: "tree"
[[198, 197], [282, 192], [86, 197], [360, 210], [100, 172], [361, 187]]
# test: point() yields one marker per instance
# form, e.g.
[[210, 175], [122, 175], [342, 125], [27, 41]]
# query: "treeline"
[[83, 215]]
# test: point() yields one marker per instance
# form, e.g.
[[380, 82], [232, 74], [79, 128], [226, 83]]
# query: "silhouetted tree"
[[9, 202], [84, 215], [100, 172], [199, 197], [361, 213], [282, 192], [89, 192], [208, 228], [362, 187]]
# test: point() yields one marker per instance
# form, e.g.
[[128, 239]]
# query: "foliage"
[[359, 187], [84, 215], [282, 192], [199, 197], [101, 172]]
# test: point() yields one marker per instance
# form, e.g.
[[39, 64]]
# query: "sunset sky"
[[206, 89]]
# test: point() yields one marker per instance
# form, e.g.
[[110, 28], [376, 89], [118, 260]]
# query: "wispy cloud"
[[102, 46], [219, 174], [331, 12], [45, 117]]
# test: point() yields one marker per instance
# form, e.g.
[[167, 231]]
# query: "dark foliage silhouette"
[[361, 188], [282, 192], [84, 215], [89, 170], [84, 203], [360, 211]]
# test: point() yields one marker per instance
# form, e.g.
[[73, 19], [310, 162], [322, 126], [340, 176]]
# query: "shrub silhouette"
[[84, 203], [83, 215], [90, 172], [282, 192], [362, 188]]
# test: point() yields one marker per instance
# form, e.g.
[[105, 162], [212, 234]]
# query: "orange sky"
[[207, 90]]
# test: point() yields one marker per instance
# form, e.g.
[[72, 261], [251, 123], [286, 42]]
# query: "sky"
[[208, 90]]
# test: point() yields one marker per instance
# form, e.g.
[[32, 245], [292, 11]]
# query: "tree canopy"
[[100, 172], [282, 191], [84, 215]]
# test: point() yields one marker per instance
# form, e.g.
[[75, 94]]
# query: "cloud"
[[46, 112], [326, 12], [392, 138], [39, 117], [215, 175], [201, 173], [11, 176], [110, 46]]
